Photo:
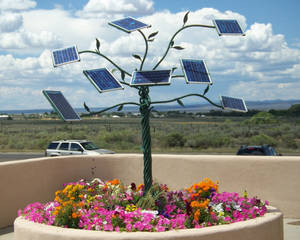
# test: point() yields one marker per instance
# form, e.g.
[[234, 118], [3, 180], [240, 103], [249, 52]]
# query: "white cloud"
[[254, 67], [259, 91], [10, 22], [16, 4], [23, 39], [98, 8]]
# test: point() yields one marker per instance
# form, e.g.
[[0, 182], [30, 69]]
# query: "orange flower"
[[140, 186], [197, 215], [115, 182], [74, 215]]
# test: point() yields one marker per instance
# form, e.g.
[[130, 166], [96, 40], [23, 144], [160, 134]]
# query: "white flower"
[[218, 208], [236, 207], [153, 212]]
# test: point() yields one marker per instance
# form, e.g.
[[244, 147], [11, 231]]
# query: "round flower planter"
[[270, 226]]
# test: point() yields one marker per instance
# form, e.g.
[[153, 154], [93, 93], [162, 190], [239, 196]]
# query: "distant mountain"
[[258, 105]]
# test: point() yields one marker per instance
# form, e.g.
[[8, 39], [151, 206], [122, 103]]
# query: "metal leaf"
[[206, 90], [120, 108], [171, 43], [97, 44], [122, 75], [152, 35], [180, 102], [151, 40], [185, 18], [173, 69], [114, 70], [178, 48], [137, 56], [86, 107]]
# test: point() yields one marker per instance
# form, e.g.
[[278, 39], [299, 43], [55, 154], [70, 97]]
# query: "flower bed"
[[112, 206]]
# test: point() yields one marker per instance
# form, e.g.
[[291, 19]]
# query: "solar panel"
[[228, 27], [65, 55], [234, 104], [103, 80], [195, 71], [61, 105], [151, 78], [128, 24]]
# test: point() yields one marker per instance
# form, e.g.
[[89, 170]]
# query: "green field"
[[188, 134]]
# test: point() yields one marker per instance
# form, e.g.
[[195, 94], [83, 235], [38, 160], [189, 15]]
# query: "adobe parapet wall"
[[276, 179]]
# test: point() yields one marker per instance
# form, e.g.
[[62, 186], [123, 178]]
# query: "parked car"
[[264, 150], [74, 147]]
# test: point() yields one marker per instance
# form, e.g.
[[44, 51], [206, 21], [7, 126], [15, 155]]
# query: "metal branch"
[[106, 109], [108, 59], [189, 95], [146, 50], [170, 43], [177, 76]]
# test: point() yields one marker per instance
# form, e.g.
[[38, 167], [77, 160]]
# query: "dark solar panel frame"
[[65, 55], [61, 105], [145, 76], [234, 104], [129, 24], [195, 71], [110, 82], [228, 27]]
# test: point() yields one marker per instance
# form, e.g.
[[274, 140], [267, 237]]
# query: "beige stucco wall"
[[276, 179]]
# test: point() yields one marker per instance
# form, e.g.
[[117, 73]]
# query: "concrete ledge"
[[275, 179], [269, 227]]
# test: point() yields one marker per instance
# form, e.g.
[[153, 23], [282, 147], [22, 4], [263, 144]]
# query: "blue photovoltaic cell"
[[128, 24], [228, 27], [65, 55], [150, 78], [103, 80], [235, 104], [61, 105], [195, 71]]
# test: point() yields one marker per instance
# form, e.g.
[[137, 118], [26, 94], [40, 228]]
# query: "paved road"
[[19, 156]]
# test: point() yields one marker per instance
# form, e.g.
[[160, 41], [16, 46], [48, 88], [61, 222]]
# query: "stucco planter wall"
[[268, 227], [270, 178]]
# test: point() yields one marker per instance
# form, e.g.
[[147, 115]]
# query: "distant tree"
[[294, 110]]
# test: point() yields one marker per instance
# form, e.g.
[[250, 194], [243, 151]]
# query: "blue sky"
[[263, 65]]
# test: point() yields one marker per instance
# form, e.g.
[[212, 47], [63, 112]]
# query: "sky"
[[263, 65]]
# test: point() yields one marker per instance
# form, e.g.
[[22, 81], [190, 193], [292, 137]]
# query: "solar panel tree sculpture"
[[194, 71]]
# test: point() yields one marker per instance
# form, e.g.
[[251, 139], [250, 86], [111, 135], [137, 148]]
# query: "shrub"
[[289, 141], [208, 140], [262, 118], [263, 139], [175, 140]]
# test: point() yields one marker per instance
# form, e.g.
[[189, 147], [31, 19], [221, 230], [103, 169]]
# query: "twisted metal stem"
[[146, 137], [146, 49], [189, 95]]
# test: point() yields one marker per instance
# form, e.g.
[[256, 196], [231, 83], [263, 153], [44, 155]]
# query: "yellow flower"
[[130, 208]]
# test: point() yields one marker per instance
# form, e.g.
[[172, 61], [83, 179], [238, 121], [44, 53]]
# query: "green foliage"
[[262, 118], [156, 194], [289, 141], [175, 140], [204, 141], [294, 110], [262, 139], [178, 134]]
